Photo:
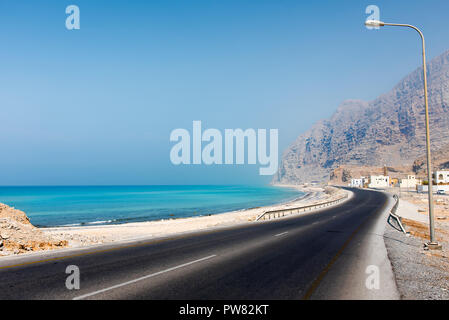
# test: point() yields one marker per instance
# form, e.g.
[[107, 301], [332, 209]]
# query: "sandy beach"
[[90, 235]]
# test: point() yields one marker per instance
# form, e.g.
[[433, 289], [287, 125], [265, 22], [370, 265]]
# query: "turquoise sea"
[[88, 205]]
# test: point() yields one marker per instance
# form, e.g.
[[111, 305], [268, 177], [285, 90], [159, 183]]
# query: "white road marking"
[[281, 234], [142, 278]]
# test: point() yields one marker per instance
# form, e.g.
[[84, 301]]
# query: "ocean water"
[[90, 205]]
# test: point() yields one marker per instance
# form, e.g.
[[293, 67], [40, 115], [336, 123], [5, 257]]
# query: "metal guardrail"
[[268, 215], [395, 207], [396, 217]]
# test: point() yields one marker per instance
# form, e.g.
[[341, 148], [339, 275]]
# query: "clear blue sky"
[[97, 105]]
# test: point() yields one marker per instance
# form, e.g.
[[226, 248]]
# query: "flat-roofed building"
[[356, 183], [410, 182], [441, 177], [379, 182]]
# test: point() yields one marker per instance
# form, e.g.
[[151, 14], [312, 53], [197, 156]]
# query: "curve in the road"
[[284, 259]]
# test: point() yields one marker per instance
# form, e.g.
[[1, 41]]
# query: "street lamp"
[[433, 244]]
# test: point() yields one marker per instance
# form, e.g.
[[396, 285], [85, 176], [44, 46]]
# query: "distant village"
[[411, 182]]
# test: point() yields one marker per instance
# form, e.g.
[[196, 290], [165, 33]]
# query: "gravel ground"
[[420, 274]]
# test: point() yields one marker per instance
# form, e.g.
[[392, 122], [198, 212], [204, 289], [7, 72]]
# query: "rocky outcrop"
[[440, 161], [387, 131], [18, 235]]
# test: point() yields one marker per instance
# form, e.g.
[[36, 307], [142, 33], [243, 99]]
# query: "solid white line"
[[142, 278], [281, 234]]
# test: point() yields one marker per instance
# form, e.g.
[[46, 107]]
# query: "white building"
[[410, 182], [442, 177], [356, 183], [379, 182]]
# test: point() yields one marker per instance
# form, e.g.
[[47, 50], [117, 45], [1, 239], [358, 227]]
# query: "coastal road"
[[319, 255]]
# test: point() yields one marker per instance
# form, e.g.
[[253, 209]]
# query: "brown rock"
[[4, 235], [18, 235]]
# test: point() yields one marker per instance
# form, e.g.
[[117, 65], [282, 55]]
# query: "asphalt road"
[[290, 258]]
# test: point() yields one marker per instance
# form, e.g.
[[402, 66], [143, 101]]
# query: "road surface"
[[320, 255]]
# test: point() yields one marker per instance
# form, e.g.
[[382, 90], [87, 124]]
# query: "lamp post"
[[433, 244]]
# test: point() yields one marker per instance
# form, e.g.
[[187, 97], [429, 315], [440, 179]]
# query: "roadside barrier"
[[395, 216], [272, 214]]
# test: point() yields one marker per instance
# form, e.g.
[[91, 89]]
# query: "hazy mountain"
[[387, 131]]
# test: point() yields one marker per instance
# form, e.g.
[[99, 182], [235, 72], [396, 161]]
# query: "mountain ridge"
[[389, 130]]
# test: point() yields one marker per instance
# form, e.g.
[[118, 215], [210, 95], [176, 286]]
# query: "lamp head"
[[374, 23]]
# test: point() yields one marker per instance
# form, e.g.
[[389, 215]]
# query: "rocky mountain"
[[387, 131], [440, 161]]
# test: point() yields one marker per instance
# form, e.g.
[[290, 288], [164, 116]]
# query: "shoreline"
[[79, 236], [121, 222], [20, 237]]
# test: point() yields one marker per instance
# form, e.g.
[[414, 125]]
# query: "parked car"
[[441, 192]]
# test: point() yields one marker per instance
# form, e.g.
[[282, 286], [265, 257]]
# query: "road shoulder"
[[419, 274]]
